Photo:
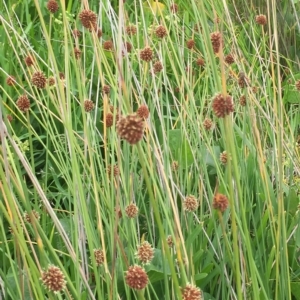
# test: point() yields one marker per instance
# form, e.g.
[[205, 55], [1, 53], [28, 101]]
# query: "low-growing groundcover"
[[149, 150]]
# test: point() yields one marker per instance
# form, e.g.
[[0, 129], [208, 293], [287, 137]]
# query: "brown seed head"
[[161, 31], [99, 256], [52, 6], [99, 32], [9, 118], [51, 81], [23, 103], [223, 157], [222, 106], [131, 30], [131, 210], [190, 44], [157, 67], [106, 89], [297, 85], [243, 100], [261, 20], [77, 53], [61, 76], [143, 111], [190, 203], [88, 19], [207, 124], [191, 292], [29, 61], [145, 253], [229, 59], [131, 128], [128, 47], [220, 202], [216, 41], [136, 277], [146, 54], [174, 165], [39, 80], [33, 214], [115, 168], [53, 279], [174, 8], [10, 80], [76, 33], [200, 62], [88, 105], [109, 120], [170, 241], [243, 80], [108, 45]]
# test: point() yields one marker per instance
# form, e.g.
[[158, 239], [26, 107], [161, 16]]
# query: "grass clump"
[[149, 150]]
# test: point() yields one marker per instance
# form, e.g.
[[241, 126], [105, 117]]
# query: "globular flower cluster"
[[53, 279], [10, 80], [160, 31], [190, 203], [131, 128], [261, 20], [224, 157], [200, 62], [222, 105], [39, 80], [207, 124], [243, 100], [23, 103], [88, 19], [34, 214], [220, 202], [131, 210], [131, 30], [297, 85], [143, 111], [191, 292], [88, 105], [29, 61], [136, 277], [229, 59], [99, 256], [157, 67], [216, 41], [190, 44], [52, 6], [145, 252], [108, 45], [146, 54], [115, 169]]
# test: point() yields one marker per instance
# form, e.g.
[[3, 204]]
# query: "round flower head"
[[160, 31], [146, 54], [220, 202], [131, 128], [53, 279], [99, 256], [88, 19], [222, 106], [216, 41], [23, 103], [39, 80], [261, 20], [145, 253], [88, 105], [10, 80], [143, 111], [52, 6], [131, 210], [190, 44], [136, 277], [191, 292], [190, 203]]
